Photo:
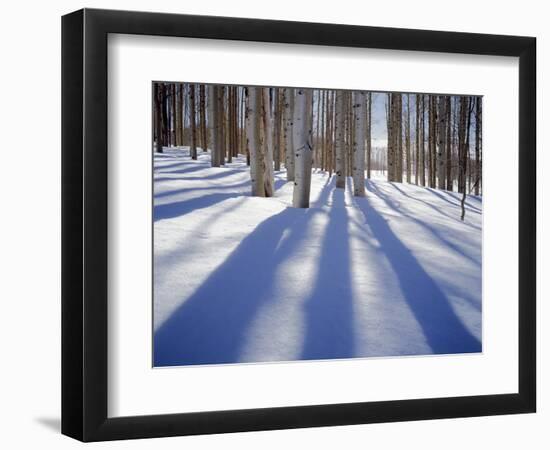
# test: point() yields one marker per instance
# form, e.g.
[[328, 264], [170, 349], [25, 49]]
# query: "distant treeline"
[[432, 140]]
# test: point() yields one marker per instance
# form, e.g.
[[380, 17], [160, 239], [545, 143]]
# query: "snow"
[[246, 279]]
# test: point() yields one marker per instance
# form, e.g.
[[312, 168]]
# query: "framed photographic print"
[[273, 224]]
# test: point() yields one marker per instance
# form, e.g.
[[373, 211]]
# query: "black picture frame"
[[84, 224]]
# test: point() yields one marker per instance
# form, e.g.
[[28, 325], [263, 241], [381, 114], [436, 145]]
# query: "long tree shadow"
[[444, 331], [183, 166], [214, 176], [372, 188], [329, 309], [432, 207], [164, 261], [221, 173], [176, 209], [202, 188], [446, 197], [180, 208], [210, 326]]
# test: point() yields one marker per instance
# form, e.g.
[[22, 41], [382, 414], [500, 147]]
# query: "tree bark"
[[417, 137], [220, 154], [289, 146], [213, 123], [463, 142], [253, 143], [173, 113], [369, 140], [340, 141], [179, 120], [422, 161], [408, 140], [390, 120], [277, 129], [303, 147], [192, 115], [399, 138], [267, 143], [431, 141], [478, 145], [441, 141], [202, 117], [448, 147], [158, 92], [229, 124], [360, 120]]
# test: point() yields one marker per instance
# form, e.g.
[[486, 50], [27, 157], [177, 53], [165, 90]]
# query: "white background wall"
[[30, 222]]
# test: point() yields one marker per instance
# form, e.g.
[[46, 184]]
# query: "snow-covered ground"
[[246, 279]]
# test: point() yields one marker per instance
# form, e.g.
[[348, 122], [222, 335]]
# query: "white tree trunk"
[[369, 140], [253, 142], [441, 140], [268, 143], [289, 146], [303, 148], [212, 123], [339, 132], [220, 152], [192, 122], [360, 119]]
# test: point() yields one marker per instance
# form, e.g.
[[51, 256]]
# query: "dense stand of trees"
[[432, 140]]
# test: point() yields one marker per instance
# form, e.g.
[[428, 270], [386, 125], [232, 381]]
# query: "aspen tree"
[[277, 129], [236, 120], [181, 125], [470, 106], [242, 121], [233, 122], [253, 142], [322, 136], [431, 137], [478, 145], [390, 157], [369, 137], [202, 118], [463, 142], [315, 134], [399, 138], [193, 148], [360, 120], [220, 154], [351, 135], [422, 162], [166, 112], [466, 152], [289, 146], [179, 119], [448, 146], [433, 151], [461, 139], [408, 140], [417, 141], [157, 95], [339, 129], [441, 141], [267, 142], [229, 124], [213, 123], [173, 113], [302, 130], [329, 132]]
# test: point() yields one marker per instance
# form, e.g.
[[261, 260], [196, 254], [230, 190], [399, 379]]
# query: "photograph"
[[295, 224]]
